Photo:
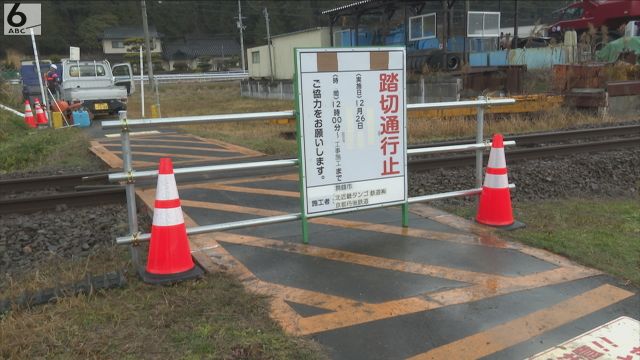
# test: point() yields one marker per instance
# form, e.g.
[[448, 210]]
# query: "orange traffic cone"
[[41, 118], [28, 115], [169, 257], [495, 200]]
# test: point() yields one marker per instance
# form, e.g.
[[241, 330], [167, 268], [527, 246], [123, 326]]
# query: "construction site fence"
[[421, 90]]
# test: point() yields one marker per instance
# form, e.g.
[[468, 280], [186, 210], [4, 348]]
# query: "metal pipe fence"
[[130, 176], [16, 112]]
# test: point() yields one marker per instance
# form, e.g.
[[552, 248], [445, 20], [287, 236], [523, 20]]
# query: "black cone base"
[[164, 279], [515, 226]]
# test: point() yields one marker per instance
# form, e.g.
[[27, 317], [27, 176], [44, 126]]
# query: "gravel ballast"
[[28, 239], [611, 174]]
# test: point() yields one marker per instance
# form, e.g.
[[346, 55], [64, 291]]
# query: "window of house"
[[117, 44], [422, 27], [342, 37], [255, 57], [483, 24], [87, 70]]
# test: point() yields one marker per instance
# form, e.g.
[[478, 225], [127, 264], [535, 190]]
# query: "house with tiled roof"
[[196, 52], [113, 39]]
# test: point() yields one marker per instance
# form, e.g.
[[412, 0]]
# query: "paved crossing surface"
[[367, 288]]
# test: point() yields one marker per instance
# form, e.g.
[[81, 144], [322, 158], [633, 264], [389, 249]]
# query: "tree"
[[132, 56], [204, 63], [92, 28]]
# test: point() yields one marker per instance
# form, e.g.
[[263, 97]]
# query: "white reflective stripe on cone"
[[496, 159], [168, 217], [167, 189], [496, 181]]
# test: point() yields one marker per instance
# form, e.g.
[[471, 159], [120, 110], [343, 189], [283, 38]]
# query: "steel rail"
[[526, 154], [66, 181], [552, 136], [70, 199]]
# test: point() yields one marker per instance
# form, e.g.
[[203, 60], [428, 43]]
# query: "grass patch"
[[422, 130], [23, 149], [204, 98], [600, 233], [184, 99], [209, 318]]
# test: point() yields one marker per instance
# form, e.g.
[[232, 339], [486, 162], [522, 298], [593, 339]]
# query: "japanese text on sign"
[[352, 128]]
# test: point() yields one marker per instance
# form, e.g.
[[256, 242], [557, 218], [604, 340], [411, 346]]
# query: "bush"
[[180, 67]]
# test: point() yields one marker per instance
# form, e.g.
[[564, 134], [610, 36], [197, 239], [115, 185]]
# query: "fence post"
[[281, 91], [479, 140], [129, 188], [422, 92]]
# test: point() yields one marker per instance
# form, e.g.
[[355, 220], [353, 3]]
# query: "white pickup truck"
[[101, 88]]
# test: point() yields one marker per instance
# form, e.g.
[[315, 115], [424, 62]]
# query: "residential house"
[[197, 52], [113, 41]]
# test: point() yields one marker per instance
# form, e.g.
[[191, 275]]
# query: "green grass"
[[602, 234], [599, 233], [24, 149], [184, 99], [211, 318]]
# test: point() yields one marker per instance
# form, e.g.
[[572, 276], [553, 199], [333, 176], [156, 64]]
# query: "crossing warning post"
[[351, 112]]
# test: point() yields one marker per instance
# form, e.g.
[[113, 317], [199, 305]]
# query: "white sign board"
[[20, 17], [353, 128], [618, 339], [74, 53]]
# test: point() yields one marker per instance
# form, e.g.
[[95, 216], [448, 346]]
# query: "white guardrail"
[[210, 76], [172, 78]]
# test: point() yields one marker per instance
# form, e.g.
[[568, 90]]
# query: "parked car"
[[94, 84]]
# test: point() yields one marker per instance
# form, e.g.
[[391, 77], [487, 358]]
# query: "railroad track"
[[547, 137], [71, 191], [65, 182], [75, 192], [515, 155]]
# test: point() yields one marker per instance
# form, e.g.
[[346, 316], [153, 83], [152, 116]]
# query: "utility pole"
[[147, 44], [266, 18], [466, 46], [515, 25], [241, 27]]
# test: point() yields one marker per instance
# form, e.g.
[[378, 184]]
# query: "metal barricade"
[[129, 175]]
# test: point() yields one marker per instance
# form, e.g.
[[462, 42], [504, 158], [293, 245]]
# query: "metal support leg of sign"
[[479, 140], [129, 189], [405, 214], [303, 217]]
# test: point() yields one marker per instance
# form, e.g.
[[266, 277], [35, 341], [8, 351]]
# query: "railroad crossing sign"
[[351, 128]]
